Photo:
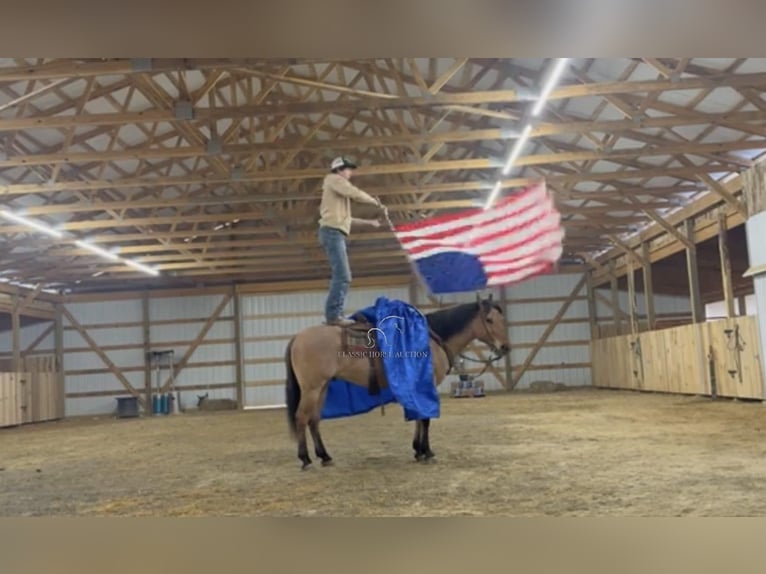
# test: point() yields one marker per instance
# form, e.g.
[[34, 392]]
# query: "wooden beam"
[[754, 185], [506, 323], [58, 345], [632, 312], [205, 115], [179, 366], [698, 311], [616, 309], [592, 310], [726, 277], [663, 247], [40, 338], [103, 356], [29, 298], [627, 250], [16, 334], [662, 223], [548, 330], [725, 194], [703, 204], [146, 329], [648, 287], [238, 355], [158, 182]]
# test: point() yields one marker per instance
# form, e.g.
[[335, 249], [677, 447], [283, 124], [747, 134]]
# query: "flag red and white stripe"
[[517, 238]]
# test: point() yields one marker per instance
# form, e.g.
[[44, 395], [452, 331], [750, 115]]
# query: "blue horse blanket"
[[403, 341]]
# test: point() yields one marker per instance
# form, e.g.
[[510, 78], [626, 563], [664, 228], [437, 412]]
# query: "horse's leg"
[[425, 444], [417, 441], [302, 419], [316, 436]]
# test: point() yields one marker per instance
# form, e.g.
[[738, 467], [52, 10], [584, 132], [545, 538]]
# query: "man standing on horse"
[[334, 227]]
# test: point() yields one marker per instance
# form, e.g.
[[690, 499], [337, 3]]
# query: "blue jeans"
[[334, 243]]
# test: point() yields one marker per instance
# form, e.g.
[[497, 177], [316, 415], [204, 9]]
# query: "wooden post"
[[413, 291], [548, 330], [58, 345], [723, 250], [698, 311], [651, 318], [238, 347], [146, 324], [16, 334], [742, 303], [615, 298], [754, 193], [506, 322], [592, 308], [631, 275]]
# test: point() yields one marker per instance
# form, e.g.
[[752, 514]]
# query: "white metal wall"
[[29, 335], [268, 321], [663, 304], [175, 323], [574, 329], [117, 328]]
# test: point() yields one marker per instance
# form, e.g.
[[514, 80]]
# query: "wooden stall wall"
[[32, 395], [715, 358]]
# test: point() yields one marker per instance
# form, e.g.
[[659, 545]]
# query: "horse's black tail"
[[292, 390]]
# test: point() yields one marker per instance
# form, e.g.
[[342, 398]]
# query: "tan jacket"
[[335, 208]]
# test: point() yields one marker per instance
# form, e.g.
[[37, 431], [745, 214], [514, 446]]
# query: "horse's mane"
[[450, 321]]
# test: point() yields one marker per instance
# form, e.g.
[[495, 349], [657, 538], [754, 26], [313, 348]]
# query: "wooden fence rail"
[[716, 358]]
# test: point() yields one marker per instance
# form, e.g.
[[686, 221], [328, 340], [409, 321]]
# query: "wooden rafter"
[[226, 188]]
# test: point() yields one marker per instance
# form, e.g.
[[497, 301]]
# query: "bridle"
[[497, 354]]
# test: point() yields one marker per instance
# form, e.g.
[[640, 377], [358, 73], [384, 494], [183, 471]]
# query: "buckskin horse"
[[313, 358]]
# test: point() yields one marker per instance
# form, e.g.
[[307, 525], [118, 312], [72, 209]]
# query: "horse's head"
[[489, 326]]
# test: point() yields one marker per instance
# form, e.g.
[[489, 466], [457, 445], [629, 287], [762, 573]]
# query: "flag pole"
[[413, 268]]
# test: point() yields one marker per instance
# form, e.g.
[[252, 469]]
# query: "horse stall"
[[31, 395], [719, 358]]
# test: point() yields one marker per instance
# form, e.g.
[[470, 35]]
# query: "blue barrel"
[[163, 404], [156, 404]]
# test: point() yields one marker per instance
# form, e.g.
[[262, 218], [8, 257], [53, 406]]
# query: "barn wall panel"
[[532, 307], [117, 328], [267, 323]]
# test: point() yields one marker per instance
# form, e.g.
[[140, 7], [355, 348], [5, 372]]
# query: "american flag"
[[517, 238]]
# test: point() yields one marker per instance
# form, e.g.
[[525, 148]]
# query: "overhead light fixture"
[[552, 80], [29, 223], [518, 146], [141, 267], [97, 250], [493, 195]]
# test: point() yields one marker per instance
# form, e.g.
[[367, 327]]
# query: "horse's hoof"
[[429, 455], [328, 462], [306, 466]]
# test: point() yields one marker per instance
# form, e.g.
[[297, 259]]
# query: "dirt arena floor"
[[570, 453]]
